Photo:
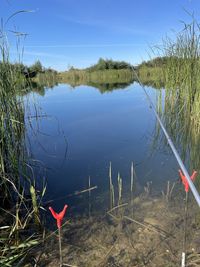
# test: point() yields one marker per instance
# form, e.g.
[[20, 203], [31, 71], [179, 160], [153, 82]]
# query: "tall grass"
[[182, 95], [12, 121], [18, 195]]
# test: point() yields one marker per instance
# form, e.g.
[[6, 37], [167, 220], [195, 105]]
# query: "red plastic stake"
[[58, 216], [184, 180], [186, 185]]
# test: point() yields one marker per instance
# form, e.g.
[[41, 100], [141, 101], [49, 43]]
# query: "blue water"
[[80, 131]]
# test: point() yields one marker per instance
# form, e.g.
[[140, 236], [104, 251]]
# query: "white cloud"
[[86, 45], [114, 27], [39, 54]]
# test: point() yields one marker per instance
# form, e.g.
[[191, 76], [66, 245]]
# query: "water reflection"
[[41, 88], [109, 87]]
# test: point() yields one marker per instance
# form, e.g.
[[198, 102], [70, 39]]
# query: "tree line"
[[28, 71], [109, 64]]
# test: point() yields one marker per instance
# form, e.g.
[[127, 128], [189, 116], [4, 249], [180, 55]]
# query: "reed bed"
[[19, 199], [47, 79], [151, 76], [98, 76], [181, 109]]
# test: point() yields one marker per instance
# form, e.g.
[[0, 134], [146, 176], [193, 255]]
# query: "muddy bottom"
[[144, 232]]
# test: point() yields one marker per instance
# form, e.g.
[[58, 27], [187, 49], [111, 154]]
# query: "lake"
[[80, 130], [74, 135]]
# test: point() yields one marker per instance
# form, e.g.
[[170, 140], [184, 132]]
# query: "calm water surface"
[[80, 130]]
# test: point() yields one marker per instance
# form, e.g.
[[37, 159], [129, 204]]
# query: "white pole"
[[183, 259]]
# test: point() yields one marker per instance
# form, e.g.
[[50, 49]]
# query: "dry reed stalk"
[[89, 196], [112, 193], [149, 227], [119, 179]]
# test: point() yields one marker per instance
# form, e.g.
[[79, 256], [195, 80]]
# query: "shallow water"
[[80, 130]]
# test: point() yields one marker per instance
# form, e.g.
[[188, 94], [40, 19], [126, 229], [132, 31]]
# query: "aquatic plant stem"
[[89, 195], [131, 180], [60, 247]]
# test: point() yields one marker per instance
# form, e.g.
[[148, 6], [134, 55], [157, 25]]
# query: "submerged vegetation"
[[136, 229]]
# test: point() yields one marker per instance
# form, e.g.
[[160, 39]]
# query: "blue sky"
[[62, 33]]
